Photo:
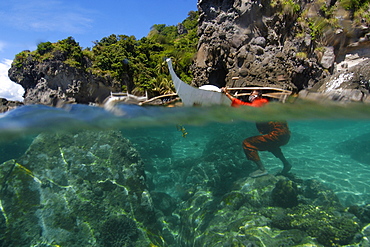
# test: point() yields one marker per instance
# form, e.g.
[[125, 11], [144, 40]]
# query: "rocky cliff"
[[53, 81], [287, 44]]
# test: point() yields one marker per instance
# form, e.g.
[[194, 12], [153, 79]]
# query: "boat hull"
[[191, 96]]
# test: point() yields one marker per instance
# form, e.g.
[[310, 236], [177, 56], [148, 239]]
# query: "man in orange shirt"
[[255, 99], [273, 135]]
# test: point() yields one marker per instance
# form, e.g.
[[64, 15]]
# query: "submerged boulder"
[[358, 148], [253, 215], [77, 189], [328, 227], [285, 194]]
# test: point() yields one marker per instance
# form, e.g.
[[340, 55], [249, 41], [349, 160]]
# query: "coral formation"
[[118, 231], [331, 228], [285, 194]]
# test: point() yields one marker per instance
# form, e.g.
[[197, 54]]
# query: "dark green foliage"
[[44, 47], [118, 232], [20, 58], [354, 4], [138, 65], [66, 50], [70, 51]]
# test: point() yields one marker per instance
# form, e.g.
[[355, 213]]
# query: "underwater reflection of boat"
[[125, 98], [211, 95]]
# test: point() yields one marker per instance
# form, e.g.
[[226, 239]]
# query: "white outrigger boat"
[[191, 96], [208, 95]]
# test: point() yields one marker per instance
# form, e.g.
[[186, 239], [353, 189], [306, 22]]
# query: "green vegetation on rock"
[[137, 65], [320, 18]]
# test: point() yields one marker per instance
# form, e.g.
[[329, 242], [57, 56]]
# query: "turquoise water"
[[335, 152], [179, 177], [330, 143]]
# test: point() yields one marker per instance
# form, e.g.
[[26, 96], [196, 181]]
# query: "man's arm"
[[224, 90]]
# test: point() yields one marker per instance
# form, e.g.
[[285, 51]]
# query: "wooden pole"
[[259, 88]]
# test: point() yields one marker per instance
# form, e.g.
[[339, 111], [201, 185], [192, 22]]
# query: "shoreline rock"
[[7, 105], [248, 43], [53, 82]]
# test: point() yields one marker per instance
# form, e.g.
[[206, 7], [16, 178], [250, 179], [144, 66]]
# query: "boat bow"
[[191, 96]]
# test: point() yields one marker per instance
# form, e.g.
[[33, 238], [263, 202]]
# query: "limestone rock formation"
[[263, 43], [348, 84], [53, 82], [250, 43]]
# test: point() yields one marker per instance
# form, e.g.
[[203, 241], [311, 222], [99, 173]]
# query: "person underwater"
[[274, 134]]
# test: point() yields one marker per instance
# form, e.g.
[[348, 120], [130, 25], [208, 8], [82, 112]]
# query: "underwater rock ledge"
[[269, 211]]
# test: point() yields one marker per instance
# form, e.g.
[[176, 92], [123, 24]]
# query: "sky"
[[26, 23]]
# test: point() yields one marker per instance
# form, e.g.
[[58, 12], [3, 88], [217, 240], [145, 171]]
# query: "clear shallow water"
[[330, 143]]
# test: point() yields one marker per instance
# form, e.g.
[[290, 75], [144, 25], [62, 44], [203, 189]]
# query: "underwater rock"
[[329, 227], [89, 189], [251, 214], [2, 229], [361, 212], [69, 188], [366, 233], [164, 202], [285, 194], [357, 148], [118, 231], [316, 193]]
